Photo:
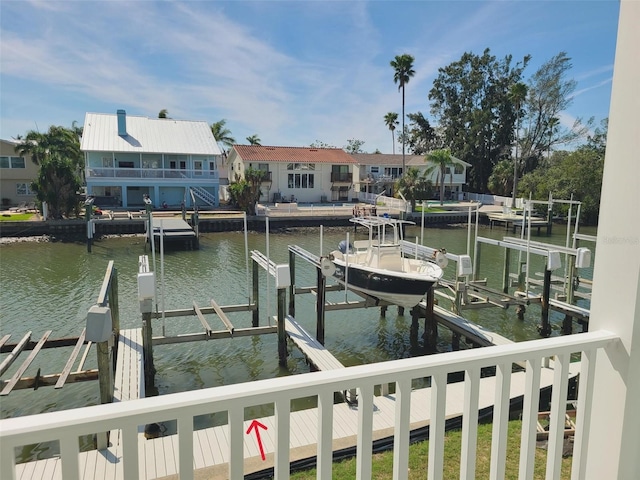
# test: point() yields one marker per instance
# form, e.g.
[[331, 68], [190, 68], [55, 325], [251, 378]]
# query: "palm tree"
[[441, 159], [403, 71], [58, 141], [517, 94], [391, 120], [163, 113], [222, 134], [413, 185], [254, 139]]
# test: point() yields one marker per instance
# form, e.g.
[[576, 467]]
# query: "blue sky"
[[292, 72]]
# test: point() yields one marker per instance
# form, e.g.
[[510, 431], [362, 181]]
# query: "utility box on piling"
[[98, 324]]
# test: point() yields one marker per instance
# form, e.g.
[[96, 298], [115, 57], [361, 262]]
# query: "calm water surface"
[[50, 286]]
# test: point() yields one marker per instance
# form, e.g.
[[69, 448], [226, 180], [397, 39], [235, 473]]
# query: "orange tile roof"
[[261, 153]]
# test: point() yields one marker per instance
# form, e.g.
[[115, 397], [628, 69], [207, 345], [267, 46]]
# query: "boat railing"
[[66, 427]]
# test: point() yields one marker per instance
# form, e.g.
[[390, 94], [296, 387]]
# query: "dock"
[[511, 221], [316, 354], [173, 230]]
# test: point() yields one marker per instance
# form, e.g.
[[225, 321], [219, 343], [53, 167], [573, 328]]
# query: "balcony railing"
[[341, 177], [150, 173], [66, 426]]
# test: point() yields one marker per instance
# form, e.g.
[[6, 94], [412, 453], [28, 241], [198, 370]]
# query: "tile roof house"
[[377, 172], [16, 175], [169, 160], [301, 174]]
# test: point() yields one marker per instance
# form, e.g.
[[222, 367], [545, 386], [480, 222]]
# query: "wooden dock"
[[513, 222], [316, 354]]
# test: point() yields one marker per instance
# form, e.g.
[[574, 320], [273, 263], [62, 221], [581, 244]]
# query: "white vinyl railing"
[[153, 173], [67, 426]]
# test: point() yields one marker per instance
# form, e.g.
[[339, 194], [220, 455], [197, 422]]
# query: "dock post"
[[195, 220], [549, 220], [282, 333], [87, 215], [383, 311], [105, 378], [545, 327], [507, 267], [400, 310], [413, 332], [292, 287], [430, 324], [146, 307], [320, 304], [255, 297], [115, 312]]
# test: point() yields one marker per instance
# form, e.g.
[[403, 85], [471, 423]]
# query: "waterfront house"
[[16, 174], [296, 174], [377, 173], [171, 161]]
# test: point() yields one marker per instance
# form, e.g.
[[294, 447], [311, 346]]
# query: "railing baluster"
[[69, 451], [364, 447], [236, 445], [283, 432], [500, 421], [402, 429], [185, 447], [325, 434], [557, 415], [530, 417], [583, 414], [470, 423], [436, 425], [130, 465]]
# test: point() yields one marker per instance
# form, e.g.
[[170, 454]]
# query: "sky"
[[291, 72]]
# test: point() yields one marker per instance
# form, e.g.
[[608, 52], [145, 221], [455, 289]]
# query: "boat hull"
[[393, 288]]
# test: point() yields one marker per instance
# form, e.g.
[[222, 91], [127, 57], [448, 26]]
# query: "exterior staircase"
[[204, 195]]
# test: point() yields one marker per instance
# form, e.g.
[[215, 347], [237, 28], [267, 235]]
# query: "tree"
[[245, 192], [549, 93], [501, 179], [517, 94], [58, 185], [403, 71], [421, 137], [254, 139], [222, 134], [353, 146], [391, 120], [441, 159], [164, 113], [321, 144], [470, 100], [58, 141], [414, 186]]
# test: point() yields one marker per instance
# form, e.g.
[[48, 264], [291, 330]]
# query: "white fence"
[[66, 427], [488, 199]]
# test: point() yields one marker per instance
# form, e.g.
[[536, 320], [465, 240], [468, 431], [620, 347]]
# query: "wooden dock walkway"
[[316, 354]]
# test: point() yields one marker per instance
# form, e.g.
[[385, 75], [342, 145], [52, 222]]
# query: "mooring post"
[[400, 310], [146, 308], [320, 304], [282, 334], [292, 287], [115, 312], [430, 323], [255, 297], [88, 207], [105, 377], [545, 327], [413, 332], [505, 274], [195, 220], [383, 310]]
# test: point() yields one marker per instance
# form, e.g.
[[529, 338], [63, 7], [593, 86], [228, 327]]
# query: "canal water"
[[50, 286]]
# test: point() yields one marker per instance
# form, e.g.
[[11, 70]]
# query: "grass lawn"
[[15, 217], [419, 454]]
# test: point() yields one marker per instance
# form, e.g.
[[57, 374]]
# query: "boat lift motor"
[[99, 325]]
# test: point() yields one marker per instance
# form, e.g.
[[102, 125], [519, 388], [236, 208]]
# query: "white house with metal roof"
[[296, 174], [128, 157], [377, 172]]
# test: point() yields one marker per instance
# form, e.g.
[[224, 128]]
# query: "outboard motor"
[[342, 246]]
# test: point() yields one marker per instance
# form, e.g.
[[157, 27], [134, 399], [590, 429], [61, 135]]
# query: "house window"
[[301, 166], [107, 162], [458, 169], [24, 189], [300, 180], [12, 162], [374, 169], [122, 164], [197, 166]]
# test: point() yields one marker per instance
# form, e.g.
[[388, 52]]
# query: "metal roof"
[[260, 153], [147, 135]]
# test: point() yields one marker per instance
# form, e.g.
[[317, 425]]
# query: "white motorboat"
[[378, 268]]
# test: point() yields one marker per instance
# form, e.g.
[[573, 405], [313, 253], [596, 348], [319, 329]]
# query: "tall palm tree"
[[163, 113], [517, 94], [222, 134], [441, 159], [403, 71], [254, 139], [58, 141], [391, 120]]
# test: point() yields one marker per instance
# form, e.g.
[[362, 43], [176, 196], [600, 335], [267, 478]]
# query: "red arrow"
[[254, 425]]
